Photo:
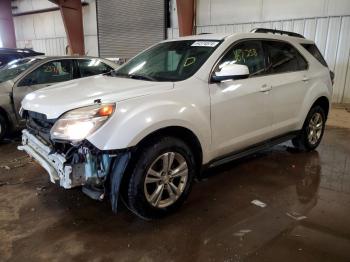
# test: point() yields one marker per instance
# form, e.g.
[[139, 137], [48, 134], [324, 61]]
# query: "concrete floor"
[[40, 222]]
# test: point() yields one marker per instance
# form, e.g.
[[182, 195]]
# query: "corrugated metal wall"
[[126, 27], [44, 32], [49, 46], [331, 34]]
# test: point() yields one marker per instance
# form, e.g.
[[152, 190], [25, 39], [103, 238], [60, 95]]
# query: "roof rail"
[[274, 31]]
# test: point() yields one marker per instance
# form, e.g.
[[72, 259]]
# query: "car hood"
[[55, 100]]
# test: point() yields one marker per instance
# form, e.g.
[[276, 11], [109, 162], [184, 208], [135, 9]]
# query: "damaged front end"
[[75, 164]]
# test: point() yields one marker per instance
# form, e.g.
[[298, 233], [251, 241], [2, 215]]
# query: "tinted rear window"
[[284, 58], [315, 53], [6, 58]]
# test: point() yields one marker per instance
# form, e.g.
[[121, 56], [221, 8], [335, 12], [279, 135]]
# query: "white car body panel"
[[142, 116], [239, 114], [225, 117], [55, 100]]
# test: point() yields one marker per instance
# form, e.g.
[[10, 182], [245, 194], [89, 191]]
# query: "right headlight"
[[79, 123]]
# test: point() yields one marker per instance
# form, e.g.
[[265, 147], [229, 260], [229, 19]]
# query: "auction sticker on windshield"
[[205, 43]]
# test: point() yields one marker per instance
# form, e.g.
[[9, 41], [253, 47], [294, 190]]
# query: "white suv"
[[144, 131]]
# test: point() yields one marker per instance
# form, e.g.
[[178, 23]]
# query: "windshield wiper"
[[115, 74], [142, 77], [133, 76]]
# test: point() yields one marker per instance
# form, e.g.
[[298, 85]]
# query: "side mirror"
[[231, 72]]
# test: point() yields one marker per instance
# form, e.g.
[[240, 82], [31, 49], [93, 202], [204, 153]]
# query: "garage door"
[[125, 27]]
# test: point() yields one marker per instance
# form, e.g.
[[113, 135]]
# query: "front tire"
[[313, 129], [3, 127], [162, 178]]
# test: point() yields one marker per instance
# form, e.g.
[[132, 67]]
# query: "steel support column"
[[185, 13], [72, 15], [7, 29]]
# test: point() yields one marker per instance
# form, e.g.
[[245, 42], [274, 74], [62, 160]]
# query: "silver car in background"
[[23, 76]]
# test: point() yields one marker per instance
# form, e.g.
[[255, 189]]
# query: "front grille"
[[39, 125]]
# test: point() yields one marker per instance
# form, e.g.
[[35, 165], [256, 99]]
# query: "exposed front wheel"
[[162, 178], [313, 129]]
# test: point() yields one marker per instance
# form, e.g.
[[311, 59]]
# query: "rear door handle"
[[306, 79], [265, 88]]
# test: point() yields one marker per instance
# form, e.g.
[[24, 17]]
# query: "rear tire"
[[161, 179], [3, 127], [312, 132]]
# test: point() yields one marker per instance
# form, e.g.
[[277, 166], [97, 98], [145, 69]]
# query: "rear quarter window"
[[313, 50]]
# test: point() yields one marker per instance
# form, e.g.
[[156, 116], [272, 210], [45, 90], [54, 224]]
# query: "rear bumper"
[[55, 164]]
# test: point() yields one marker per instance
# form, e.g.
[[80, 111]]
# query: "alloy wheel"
[[166, 179], [315, 128]]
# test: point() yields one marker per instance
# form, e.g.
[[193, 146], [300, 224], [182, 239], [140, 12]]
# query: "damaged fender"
[[116, 176]]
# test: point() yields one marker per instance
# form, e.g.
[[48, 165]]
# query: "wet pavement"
[[306, 218]]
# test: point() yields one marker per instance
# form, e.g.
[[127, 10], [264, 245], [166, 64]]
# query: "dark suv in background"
[[8, 54]]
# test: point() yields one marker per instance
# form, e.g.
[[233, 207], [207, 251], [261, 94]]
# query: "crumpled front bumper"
[[80, 174], [55, 164]]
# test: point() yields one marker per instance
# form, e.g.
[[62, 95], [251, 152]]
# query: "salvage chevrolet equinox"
[[141, 133]]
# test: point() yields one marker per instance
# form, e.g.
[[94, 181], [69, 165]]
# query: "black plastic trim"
[[251, 150], [275, 31]]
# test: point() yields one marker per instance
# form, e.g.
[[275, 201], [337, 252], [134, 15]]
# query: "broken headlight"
[[79, 123]]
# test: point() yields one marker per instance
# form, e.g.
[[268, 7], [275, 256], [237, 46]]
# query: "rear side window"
[[283, 58], [312, 48]]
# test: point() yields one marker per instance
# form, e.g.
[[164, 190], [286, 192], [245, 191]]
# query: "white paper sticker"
[[205, 43]]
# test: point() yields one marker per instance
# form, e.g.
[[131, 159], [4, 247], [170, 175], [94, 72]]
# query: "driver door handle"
[[265, 88]]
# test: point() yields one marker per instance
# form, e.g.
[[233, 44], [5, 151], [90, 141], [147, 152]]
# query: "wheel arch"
[[179, 132], [324, 103]]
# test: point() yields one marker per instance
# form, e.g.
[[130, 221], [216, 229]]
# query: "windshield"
[[15, 68], [169, 61]]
